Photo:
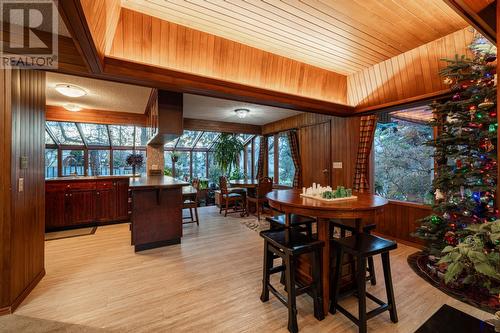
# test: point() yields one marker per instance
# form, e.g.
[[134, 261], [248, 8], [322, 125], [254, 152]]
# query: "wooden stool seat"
[[344, 226], [363, 246], [298, 222], [288, 244]]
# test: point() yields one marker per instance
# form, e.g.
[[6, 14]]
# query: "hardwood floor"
[[211, 282]]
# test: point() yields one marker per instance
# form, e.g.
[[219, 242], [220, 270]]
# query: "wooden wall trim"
[[410, 75], [58, 113], [478, 13], [221, 126], [294, 122], [20, 298]]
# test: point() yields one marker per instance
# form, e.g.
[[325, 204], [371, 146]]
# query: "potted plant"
[[227, 152], [175, 156], [135, 160]]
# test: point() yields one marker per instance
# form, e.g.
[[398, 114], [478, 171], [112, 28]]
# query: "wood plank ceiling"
[[343, 36]]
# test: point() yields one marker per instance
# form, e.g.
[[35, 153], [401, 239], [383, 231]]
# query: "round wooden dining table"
[[362, 210]]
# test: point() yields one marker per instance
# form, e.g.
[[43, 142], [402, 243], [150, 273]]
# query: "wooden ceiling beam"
[[481, 14], [221, 126]]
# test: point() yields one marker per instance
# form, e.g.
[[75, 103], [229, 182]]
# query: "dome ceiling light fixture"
[[72, 107], [242, 113], [70, 90]]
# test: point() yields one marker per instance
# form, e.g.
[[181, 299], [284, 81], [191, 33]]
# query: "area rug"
[[254, 224], [70, 233], [419, 263]]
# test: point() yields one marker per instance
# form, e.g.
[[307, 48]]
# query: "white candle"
[[303, 190]]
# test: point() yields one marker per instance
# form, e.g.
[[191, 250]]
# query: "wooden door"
[[314, 144], [105, 204], [80, 207], [121, 200]]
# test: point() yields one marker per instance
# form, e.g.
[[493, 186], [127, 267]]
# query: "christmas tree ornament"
[[438, 195], [486, 104], [456, 97], [446, 216], [492, 128], [459, 163], [492, 114], [447, 80]]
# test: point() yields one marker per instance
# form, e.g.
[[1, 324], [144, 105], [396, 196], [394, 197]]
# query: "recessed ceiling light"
[[72, 107], [242, 113], [70, 90]]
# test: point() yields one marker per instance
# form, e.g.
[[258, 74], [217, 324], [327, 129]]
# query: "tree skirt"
[[419, 263]]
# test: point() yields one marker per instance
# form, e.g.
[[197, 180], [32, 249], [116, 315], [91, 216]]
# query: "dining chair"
[[191, 202], [264, 187], [228, 197]]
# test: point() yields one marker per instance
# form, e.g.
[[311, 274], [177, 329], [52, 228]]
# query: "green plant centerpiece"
[[340, 192], [227, 152]]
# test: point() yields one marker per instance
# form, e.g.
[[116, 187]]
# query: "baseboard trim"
[[19, 299]]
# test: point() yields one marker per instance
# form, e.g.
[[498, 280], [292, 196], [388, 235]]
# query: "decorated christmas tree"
[[462, 231]]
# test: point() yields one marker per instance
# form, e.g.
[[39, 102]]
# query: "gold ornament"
[[486, 104], [447, 80]]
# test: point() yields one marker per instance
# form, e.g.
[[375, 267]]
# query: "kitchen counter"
[[82, 178], [152, 182], [156, 211]]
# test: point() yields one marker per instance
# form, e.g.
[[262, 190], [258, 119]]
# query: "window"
[[141, 136], [256, 149], [403, 163], [65, 133], [95, 135], [48, 139], [50, 163], [143, 169], [120, 166], [168, 163], [182, 166], [286, 168], [206, 139], [73, 163], [98, 163], [188, 139], [122, 136], [270, 157], [248, 170], [199, 164]]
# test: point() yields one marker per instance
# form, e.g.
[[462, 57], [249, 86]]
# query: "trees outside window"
[[50, 163], [73, 163], [403, 164], [99, 163], [286, 168]]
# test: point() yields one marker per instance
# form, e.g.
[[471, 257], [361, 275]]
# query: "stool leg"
[[371, 271], [388, 287], [335, 284], [309, 229], [290, 286], [268, 264], [196, 214], [361, 277], [318, 287]]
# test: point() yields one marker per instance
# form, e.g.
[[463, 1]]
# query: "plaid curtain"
[[262, 157], [293, 140], [366, 133]]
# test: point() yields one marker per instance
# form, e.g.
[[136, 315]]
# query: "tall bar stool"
[[298, 222], [344, 228], [362, 246], [288, 245]]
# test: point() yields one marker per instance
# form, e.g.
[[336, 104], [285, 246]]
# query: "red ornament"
[[456, 97], [493, 114], [459, 164]]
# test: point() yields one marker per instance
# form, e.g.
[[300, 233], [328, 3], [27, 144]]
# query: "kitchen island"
[[156, 211]]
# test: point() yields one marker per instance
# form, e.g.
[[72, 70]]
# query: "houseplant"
[[135, 160], [175, 156], [227, 152]]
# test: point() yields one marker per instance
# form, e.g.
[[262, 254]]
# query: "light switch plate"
[[21, 185], [337, 165]]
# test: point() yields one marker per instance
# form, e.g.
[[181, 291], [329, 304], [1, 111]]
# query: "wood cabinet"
[[85, 201]]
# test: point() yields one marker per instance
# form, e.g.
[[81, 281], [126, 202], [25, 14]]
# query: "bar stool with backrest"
[[344, 227], [362, 246], [298, 222], [264, 187], [228, 197], [191, 203], [288, 245]]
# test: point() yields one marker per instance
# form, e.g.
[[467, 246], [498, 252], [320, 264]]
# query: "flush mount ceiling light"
[[242, 113], [70, 90], [72, 107]]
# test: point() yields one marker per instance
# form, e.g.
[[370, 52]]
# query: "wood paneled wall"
[[22, 213], [147, 39], [57, 113], [343, 141], [399, 220], [410, 74]]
